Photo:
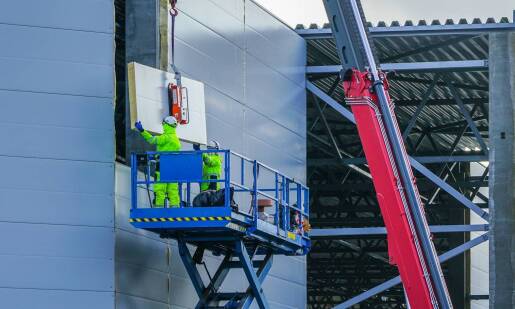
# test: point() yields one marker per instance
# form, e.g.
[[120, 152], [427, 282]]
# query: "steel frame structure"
[[339, 178]]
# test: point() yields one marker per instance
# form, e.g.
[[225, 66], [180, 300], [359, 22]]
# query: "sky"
[[305, 12]]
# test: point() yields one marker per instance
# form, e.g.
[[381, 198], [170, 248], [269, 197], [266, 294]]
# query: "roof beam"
[[360, 231], [424, 160], [381, 32], [413, 67]]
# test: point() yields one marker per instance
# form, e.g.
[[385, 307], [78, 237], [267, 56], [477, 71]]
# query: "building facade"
[[64, 199]]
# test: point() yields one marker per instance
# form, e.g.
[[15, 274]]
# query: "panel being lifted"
[[148, 97]]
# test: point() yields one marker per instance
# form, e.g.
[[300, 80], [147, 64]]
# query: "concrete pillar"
[[502, 167]]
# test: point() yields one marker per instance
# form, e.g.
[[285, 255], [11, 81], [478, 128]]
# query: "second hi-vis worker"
[[211, 167], [168, 141]]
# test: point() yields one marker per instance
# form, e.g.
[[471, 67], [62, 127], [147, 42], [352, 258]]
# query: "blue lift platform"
[[246, 236]]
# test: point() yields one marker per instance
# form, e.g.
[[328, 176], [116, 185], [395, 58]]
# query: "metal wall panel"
[[56, 273], [272, 94], [205, 55], [275, 44], [56, 241], [124, 301], [222, 20], [91, 80], [57, 122], [142, 282], [48, 44], [74, 111], [92, 15], [25, 205], [57, 175], [140, 251], [55, 299], [47, 142]]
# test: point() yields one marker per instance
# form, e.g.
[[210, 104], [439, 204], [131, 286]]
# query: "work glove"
[[139, 126], [196, 147]]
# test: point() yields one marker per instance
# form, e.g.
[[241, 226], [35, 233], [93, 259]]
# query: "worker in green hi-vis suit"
[[168, 141], [211, 167]]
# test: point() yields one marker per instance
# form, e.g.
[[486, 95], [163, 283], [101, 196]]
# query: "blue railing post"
[[227, 161], [287, 203], [276, 216], [134, 181], [299, 206], [283, 199], [254, 192], [180, 194], [242, 171], [188, 194]]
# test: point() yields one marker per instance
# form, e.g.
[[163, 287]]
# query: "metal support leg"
[[252, 277], [216, 282], [261, 274], [188, 262]]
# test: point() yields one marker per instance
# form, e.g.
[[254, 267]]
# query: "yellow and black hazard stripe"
[[180, 219]]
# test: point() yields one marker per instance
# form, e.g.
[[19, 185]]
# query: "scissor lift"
[[246, 241]]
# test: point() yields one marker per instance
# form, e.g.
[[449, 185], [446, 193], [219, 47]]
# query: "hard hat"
[[170, 120], [214, 145]]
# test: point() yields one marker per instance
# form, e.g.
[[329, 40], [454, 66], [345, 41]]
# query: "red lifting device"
[[366, 90]]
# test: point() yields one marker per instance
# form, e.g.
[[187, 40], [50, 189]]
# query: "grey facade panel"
[[90, 80], [56, 241], [57, 175], [55, 44], [207, 56], [226, 19], [274, 44], [64, 208], [55, 299], [93, 15], [142, 252], [47, 142], [56, 273], [272, 94], [57, 120], [74, 111], [142, 282], [125, 301]]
